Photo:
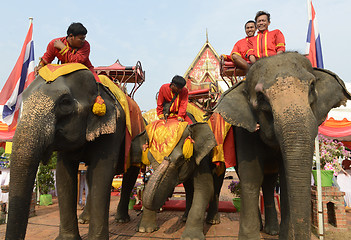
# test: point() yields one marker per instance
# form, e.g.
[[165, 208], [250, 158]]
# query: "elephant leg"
[[249, 147], [102, 167], [84, 217], [203, 191], [212, 213], [148, 221], [189, 195], [271, 221], [66, 182], [129, 180]]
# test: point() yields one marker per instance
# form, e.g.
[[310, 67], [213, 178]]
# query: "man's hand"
[[252, 58], [59, 45]]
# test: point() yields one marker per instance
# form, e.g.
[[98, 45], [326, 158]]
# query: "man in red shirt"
[[266, 43], [242, 48], [166, 108], [71, 49]]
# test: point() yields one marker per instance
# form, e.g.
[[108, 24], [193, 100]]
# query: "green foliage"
[[2, 150], [46, 179]]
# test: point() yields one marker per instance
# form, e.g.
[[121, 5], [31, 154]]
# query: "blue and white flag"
[[21, 76]]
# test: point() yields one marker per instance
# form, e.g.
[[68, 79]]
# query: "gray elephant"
[[196, 174], [289, 99], [57, 116]]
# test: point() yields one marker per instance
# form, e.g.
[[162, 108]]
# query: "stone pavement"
[[45, 225]]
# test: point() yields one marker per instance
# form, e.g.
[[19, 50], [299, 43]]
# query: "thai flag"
[[313, 48], [21, 76]]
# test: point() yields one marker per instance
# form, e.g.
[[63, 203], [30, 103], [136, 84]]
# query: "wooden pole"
[[319, 192]]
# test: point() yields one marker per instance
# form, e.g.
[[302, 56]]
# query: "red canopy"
[[338, 124], [6, 135]]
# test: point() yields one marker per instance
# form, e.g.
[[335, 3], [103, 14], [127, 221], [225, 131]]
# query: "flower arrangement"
[[330, 153], [234, 187]]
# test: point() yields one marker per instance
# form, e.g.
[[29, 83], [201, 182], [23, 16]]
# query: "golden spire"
[[206, 36]]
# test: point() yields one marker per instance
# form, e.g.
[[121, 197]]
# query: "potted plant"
[[46, 181], [235, 189], [331, 153]]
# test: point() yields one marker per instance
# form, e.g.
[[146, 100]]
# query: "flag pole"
[[36, 178], [319, 192]]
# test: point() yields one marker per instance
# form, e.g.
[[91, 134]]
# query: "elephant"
[[197, 174], [57, 116], [289, 99]]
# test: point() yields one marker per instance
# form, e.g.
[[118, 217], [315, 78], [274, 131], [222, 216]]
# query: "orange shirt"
[[243, 48], [69, 54], [178, 106], [268, 43]]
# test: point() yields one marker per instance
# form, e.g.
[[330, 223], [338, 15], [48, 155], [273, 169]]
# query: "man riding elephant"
[[173, 99]]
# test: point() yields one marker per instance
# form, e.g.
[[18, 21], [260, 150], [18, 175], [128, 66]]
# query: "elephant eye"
[[66, 105], [262, 102]]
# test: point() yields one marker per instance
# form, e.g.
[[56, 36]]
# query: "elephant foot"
[[122, 219], [192, 235], [147, 228], [84, 218], [213, 219], [271, 229], [68, 237], [148, 222]]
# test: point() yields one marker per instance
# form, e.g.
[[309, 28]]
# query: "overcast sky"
[[167, 35]]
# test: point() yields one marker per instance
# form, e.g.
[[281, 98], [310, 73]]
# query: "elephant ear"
[[136, 148], [331, 93], [106, 124], [204, 140], [235, 108]]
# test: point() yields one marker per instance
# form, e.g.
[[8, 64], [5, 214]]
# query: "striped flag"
[[21, 76], [313, 48]]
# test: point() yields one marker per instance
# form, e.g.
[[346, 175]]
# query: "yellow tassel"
[[188, 147], [99, 107], [144, 158]]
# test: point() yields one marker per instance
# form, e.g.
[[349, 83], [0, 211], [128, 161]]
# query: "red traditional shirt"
[[69, 54], [243, 48], [268, 43], [179, 105]]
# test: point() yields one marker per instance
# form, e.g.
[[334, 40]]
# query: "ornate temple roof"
[[203, 72]]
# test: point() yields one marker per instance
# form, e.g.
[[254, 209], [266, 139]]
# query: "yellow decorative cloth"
[[220, 129], [150, 116], [196, 112], [121, 97], [51, 72], [164, 136]]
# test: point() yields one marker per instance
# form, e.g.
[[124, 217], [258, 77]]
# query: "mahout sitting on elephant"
[[289, 99], [57, 116]]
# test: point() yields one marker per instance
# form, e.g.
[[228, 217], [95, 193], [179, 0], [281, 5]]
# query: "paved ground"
[[46, 224]]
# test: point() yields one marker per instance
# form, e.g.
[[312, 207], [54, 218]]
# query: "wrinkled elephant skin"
[[196, 174], [58, 116], [289, 99]]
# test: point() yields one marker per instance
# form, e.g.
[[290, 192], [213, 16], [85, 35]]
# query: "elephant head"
[[56, 116], [289, 99], [175, 168]]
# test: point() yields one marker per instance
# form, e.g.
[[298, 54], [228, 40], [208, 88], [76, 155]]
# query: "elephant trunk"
[[33, 135], [160, 185], [297, 145], [295, 127]]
